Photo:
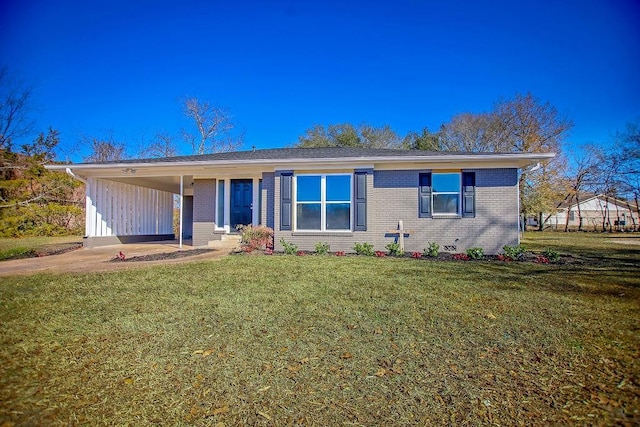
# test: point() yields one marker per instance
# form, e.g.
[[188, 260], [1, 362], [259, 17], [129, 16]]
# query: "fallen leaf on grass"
[[128, 380], [264, 415], [221, 410], [490, 316], [207, 352], [380, 372], [197, 352], [346, 355]]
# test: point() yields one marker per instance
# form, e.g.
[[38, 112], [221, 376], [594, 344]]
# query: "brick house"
[[308, 195]]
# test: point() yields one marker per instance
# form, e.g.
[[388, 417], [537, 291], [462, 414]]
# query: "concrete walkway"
[[97, 259]]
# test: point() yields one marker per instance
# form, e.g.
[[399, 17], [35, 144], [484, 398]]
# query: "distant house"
[[335, 195], [596, 211]]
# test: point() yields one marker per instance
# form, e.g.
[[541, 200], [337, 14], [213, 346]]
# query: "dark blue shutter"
[[468, 194], [425, 195], [360, 200], [286, 197]]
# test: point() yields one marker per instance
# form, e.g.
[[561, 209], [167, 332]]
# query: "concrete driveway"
[[98, 259]]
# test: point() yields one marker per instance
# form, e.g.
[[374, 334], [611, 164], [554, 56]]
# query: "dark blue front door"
[[241, 202]]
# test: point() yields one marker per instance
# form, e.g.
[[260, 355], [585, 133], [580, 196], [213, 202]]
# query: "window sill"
[[453, 216], [345, 233]]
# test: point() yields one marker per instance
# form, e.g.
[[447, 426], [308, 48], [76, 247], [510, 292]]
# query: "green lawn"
[[325, 340], [28, 246]]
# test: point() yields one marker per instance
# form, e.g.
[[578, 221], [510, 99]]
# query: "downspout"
[[181, 204], [74, 176]]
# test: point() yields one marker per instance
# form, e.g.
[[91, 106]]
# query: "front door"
[[241, 202]]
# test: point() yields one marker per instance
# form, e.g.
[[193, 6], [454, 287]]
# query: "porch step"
[[231, 237]]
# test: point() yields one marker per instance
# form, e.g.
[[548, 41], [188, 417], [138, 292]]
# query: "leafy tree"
[[213, 128], [347, 135], [426, 140], [34, 201]]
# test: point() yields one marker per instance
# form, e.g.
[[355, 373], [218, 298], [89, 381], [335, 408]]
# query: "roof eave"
[[519, 160]]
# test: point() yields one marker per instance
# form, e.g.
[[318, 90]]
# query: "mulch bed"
[[162, 256]]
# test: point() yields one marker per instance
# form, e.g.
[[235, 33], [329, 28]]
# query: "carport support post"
[[181, 203]]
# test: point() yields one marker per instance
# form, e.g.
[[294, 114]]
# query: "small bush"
[[301, 253], [540, 259], [322, 248], [289, 248], [416, 255], [513, 252], [364, 249], [475, 253], [380, 254], [340, 253], [461, 257], [432, 250], [551, 255], [394, 249], [256, 238]]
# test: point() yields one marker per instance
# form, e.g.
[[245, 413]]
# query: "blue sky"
[[282, 67]]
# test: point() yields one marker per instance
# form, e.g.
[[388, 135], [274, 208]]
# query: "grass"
[[31, 246], [325, 340]]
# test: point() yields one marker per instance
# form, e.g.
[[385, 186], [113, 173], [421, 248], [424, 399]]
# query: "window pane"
[[308, 216], [308, 188], [445, 203], [446, 182], [338, 216], [338, 188]]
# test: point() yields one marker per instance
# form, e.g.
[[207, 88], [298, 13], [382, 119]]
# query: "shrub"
[[394, 249], [301, 253], [322, 248], [380, 254], [268, 251], [513, 252], [461, 257], [256, 238], [432, 249], [340, 253], [475, 253], [416, 255], [364, 249], [551, 254], [289, 248]]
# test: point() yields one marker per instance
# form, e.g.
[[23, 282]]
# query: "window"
[[323, 202], [220, 204], [446, 193]]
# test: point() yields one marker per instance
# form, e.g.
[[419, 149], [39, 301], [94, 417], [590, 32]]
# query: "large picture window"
[[323, 202], [446, 193]]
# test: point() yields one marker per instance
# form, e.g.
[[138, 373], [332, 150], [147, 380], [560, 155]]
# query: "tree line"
[[34, 201]]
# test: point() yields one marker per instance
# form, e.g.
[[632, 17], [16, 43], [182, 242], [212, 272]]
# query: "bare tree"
[[582, 173], [214, 127], [469, 132], [105, 149], [162, 145], [15, 99]]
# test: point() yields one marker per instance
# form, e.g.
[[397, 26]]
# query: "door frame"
[[226, 202]]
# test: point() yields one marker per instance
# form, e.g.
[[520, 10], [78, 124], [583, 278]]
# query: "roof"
[[165, 173], [312, 154]]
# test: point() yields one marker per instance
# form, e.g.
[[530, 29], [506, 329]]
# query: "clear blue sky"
[[282, 67]]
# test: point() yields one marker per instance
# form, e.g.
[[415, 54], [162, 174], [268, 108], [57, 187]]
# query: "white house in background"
[[596, 210]]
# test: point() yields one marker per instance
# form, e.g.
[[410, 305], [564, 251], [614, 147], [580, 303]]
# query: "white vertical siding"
[[119, 209]]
